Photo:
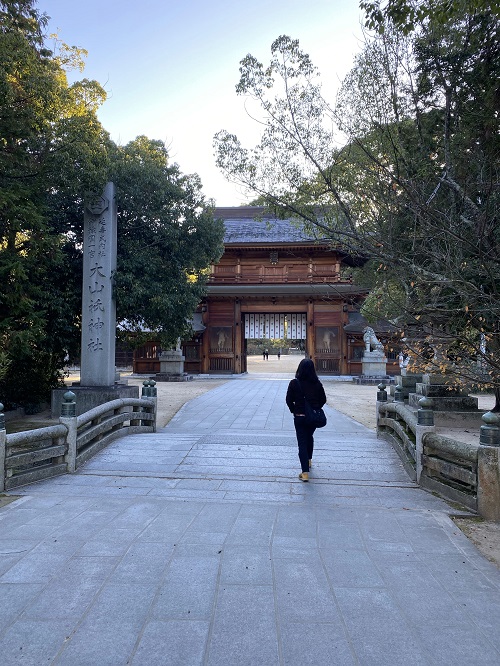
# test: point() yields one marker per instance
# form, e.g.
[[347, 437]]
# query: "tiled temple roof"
[[253, 224]]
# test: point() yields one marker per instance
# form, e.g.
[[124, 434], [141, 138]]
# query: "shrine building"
[[273, 281]]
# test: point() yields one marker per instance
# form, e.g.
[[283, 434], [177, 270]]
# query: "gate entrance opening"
[[274, 342], [276, 326]]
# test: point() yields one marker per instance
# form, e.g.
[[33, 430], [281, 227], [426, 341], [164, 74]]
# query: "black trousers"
[[305, 440]]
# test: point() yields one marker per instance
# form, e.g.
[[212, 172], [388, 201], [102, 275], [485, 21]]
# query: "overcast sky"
[[170, 67]]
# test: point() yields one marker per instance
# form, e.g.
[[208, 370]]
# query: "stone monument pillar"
[[98, 304], [97, 365]]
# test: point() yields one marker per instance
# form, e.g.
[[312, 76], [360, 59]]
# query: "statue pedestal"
[[446, 397], [172, 362], [374, 364], [172, 367], [88, 397]]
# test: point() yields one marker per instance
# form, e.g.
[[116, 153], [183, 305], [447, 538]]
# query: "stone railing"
[[399, 426], [33, 455], [468, 473]]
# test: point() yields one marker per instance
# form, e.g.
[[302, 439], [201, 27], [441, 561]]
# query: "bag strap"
[[302, 391]]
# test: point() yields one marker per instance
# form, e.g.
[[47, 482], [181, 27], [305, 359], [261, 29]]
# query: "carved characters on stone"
[[97, 205], [98, 306]]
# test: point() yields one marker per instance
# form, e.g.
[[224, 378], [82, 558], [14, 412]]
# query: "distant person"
[[279, 354], [264, 355], [310, 388], [267, 354]]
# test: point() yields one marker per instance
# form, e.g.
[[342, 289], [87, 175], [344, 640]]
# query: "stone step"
[[439, 390], [407, 381], [449, 404]]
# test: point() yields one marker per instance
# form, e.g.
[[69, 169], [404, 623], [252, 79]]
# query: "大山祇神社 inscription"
[[98, 305]]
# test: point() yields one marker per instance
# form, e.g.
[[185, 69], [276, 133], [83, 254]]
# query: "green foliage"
[[49, 138], [257, 346], [297, 141], [414, 185], [4, 364], [53, 150], [408, 15], [168, 237]]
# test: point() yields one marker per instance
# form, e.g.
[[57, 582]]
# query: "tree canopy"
[[408, 15], [167, 240], [50, 140], [54, 150], [403, 169]]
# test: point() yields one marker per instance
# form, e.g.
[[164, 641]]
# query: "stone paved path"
[[199, 545]]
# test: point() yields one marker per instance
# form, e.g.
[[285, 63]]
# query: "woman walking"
[[305, 386]]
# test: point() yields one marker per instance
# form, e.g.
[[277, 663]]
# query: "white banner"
[[272, 326]]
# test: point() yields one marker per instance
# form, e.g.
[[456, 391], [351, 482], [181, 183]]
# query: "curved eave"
[[332, 291], [276, 244], [313, 246]]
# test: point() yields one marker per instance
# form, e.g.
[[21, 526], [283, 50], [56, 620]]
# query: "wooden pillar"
[[205, 346], [238, 337], [310, 341]]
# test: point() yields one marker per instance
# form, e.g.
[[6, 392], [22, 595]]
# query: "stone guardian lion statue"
[[371, 341]]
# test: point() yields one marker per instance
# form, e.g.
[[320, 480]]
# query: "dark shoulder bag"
[[313, 417]]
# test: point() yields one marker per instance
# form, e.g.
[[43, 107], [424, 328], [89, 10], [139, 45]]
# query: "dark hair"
[[307, 371]]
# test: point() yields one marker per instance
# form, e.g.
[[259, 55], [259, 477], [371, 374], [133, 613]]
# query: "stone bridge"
[[198, 544]]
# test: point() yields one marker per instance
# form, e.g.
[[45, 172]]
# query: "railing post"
[[150, 391], [490, 431], [425, 424], [381, 397], [153, 392], [488, 468], [425, 415], [3, 443], [382, 393], [398, 394], [68, 418], [154, 396]]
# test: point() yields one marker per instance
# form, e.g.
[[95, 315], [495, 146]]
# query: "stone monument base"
[[451, 405], [172, 362], [374, 364], [168, 377], [387, 379], [445, 397], [88, 397], [407, 384], [172, 367]]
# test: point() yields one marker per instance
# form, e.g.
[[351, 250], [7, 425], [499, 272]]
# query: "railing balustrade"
[[33, 455], [468, 473]]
